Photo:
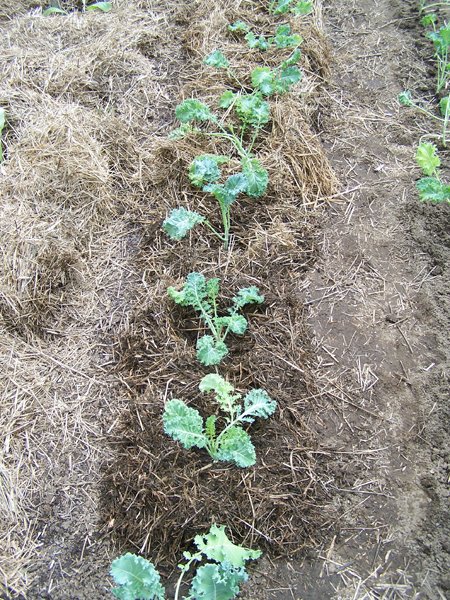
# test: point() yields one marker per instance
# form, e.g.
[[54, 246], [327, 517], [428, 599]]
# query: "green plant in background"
[[201, 295], [253, 113], [281, 7], [55, 8], [218, 578], [431, 188], [441, 41], [405, 99], [283, 37], [2, 125], [185, 424]]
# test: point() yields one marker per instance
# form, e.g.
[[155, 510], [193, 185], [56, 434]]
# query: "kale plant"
[[219, 577], [253, 113], [431, 188], [201, 295], [185, 424], [441, 41], [281, 7]]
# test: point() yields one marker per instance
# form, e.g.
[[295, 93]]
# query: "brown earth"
[[351, 340]]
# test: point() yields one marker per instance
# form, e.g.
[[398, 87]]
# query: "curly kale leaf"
[[257, 403], [432, 190], [194, 292], [193, 110], [302, 8], [216, 545], [427, 158], [252, 109], [257, 42], [239, 27], [217, 59], [136, 578], [236, 446], [180, 222], [210, 351], [285, 39], [257, 177], [246, 296], [184, 424], [216, 582], [205, 169]]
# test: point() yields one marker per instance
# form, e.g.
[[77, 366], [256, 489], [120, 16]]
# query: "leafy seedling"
[[282, 7], [253, 113], [101, 6], [441, 42], [431, 188], [233, 444], [218, 578], [201, 295]]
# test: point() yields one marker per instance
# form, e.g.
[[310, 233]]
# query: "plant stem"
[[215, 232]]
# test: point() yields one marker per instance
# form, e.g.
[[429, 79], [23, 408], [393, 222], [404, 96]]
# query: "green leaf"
[[103, 6], [227, 193], [137, 578], [428, 20], [204, 168], [258, 403], [257, 177], [212, 288], [53, 10], [289, 76], [284, 39], [210, 351], [217, 59], [444, 105], [405, 98], [252, 109], [246, 296], [180, 222], [215, 383], [193, 110], [217, 582], [432, 190], [223, 391], [302, 8], [215, 545], [193, 293], [239, 27], [256, 42], [293, 59], [263, 79], [427, 158], [180, 132], [235, 323], [236, 446], [281, 7], [184, 424], [227, 99]]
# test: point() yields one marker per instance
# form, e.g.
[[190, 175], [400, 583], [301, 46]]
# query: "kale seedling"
[[218, 578], [431, 188], [202, 295], [441, 41], [281, 7], [185, 424], [253, 113]]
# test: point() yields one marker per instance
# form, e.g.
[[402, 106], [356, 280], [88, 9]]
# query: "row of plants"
[[237, 121], [431, 187]]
